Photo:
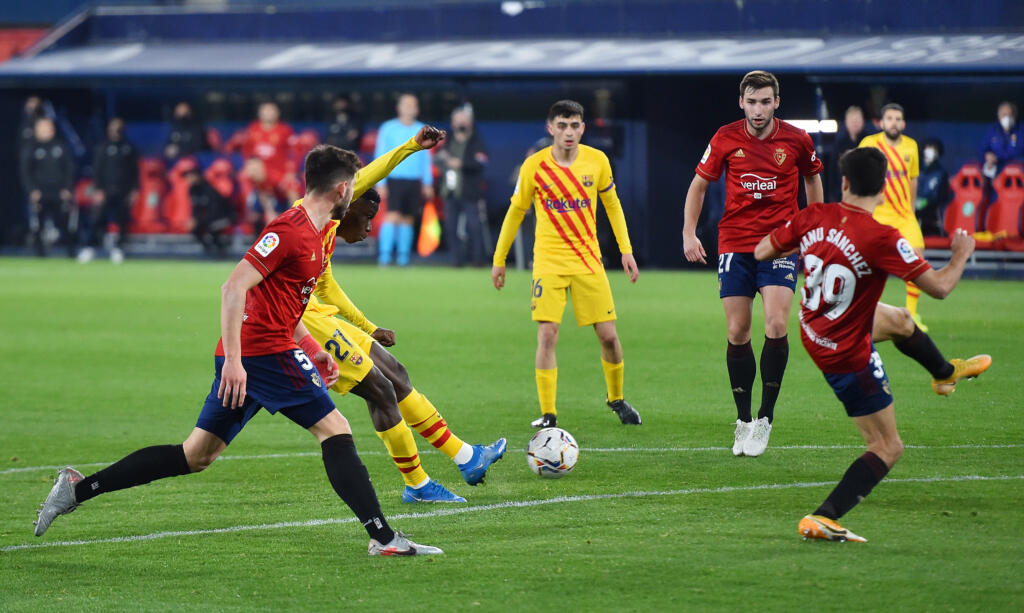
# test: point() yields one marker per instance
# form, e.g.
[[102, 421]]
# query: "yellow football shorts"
[[349, 345], [907, 226], [591, 297]]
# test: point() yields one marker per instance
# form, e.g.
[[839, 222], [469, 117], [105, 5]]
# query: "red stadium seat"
[[177, 203], [221, 176], [968, 187], [152, 188], [1003, 219]]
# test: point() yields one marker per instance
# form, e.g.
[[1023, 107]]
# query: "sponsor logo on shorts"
[[783, 263], [789, 276], [268, 243], [906, 251]]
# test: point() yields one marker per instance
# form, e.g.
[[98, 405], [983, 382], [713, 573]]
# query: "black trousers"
[[117, 208], [62, 214], [464, 227]]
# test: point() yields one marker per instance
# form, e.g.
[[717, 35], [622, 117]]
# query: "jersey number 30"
[[834, 284]]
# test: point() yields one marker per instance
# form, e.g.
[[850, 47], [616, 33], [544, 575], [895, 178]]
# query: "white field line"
[[303, 454], [511, 504]]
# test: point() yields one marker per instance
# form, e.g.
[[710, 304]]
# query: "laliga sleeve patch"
[[906, 251], [707, 154], [267, 244]]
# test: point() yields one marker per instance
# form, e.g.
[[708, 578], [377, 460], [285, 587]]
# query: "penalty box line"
[[309, 454], [510, 504]]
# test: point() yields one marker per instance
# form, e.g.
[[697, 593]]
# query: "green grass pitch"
[[98, 361]]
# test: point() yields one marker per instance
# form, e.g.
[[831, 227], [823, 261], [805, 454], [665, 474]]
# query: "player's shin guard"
[[137, 468], [774, 356], [860, 478], [742, 369], [547, 389], [913, 295], [613, 378], [418, 412], [352, 483], [920, 347], [402, 447]]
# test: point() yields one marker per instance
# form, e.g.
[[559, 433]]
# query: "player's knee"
[[739, 335], [775, 328], [547, 337], [904, 322], [608, 338], [199, 461]]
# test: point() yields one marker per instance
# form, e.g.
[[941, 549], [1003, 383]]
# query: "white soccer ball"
[[552, 453]]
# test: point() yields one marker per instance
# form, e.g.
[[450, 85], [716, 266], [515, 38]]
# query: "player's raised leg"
[[351, 481], [896, 324], [739, 359], [777, 301], [380, 398], [143, 466], [417, 410], [614, 372]]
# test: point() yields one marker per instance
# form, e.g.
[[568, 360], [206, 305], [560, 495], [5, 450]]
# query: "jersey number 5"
[[834, 284]]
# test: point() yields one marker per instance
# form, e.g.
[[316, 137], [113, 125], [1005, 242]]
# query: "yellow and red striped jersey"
[[329, 298], [564, 199], [903, 166]]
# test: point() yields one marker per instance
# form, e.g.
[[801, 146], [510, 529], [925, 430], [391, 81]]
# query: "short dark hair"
[[372, 198], [756, 79], [565, 108], [327, 165], [892, 106], [865, 169]]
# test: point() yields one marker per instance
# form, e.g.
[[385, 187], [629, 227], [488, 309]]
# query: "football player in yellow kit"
[[364, 364], [563, 183]]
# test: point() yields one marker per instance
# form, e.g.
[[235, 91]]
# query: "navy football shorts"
[[865, 391], [739, 274], [287, 382]]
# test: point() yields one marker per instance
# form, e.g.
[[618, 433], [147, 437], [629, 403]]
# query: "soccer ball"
[[552, 453]]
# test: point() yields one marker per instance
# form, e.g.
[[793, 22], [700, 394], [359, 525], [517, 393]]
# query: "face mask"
[[929, 156], [1007, 122]]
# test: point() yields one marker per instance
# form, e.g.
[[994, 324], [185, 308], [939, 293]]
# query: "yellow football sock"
[[613, 376], [402, 447], [547, 388], [419, 413], [913, 295]]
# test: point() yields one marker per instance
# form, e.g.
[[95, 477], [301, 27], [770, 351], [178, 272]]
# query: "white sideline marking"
[[304, 454], [510, 504]]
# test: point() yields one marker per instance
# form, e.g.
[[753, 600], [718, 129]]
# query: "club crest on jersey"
[[906, 251], [267, 244], [588, 180], [780, 155]]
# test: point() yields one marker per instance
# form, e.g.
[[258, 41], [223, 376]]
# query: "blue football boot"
[[474, 470], [431, 492]]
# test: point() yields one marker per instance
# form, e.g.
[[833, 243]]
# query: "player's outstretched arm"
[[939, 283], [233, 378], [371, 174], [692, 247]]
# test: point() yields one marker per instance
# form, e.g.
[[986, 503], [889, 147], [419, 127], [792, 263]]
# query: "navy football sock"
[[137, 468], [860, 478], [922, 349], [742, 369], [351, 481], [774, 356]]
